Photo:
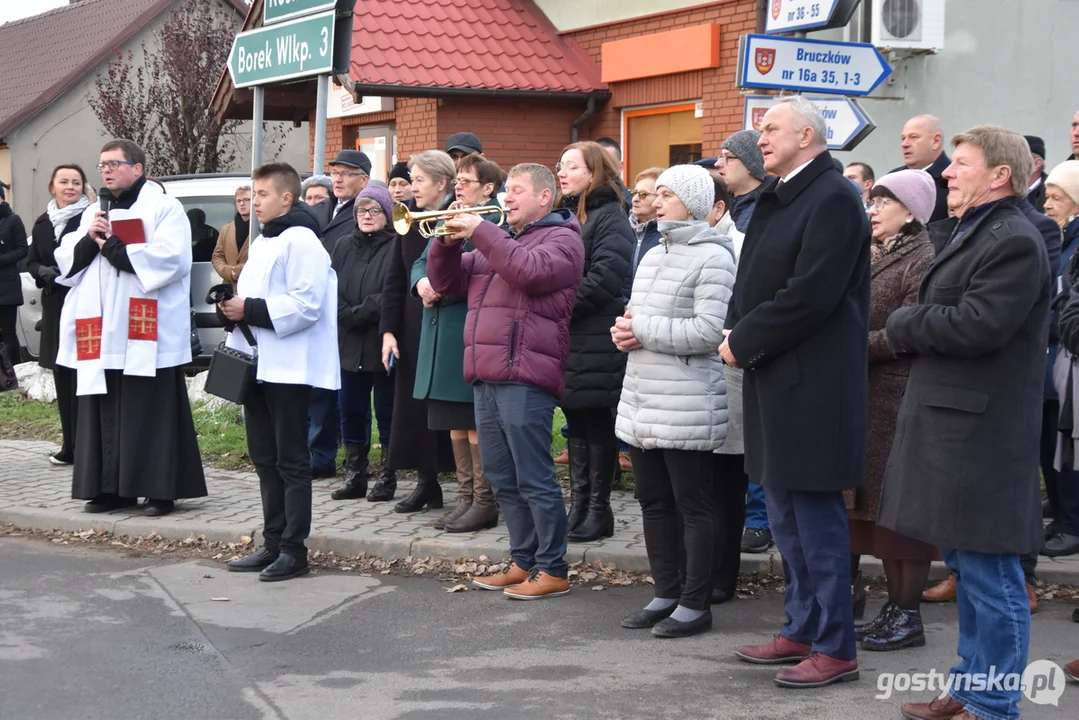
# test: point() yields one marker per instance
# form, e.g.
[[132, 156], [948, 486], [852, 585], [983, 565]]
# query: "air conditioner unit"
[[908, 24]]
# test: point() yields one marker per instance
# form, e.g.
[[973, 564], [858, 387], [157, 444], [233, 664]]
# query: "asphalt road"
[[93, 634]]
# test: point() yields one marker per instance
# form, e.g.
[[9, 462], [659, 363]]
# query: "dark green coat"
[[440, 364]]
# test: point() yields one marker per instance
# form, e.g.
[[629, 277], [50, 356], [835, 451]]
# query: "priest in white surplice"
[[125, 329]]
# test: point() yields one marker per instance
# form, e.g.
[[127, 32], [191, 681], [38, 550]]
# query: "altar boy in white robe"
[[125, 329], [287, 296]]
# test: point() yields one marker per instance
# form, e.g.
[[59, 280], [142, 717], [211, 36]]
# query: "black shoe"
[[322, 473], [671, 628], [756, 540], [428, 493], [384, 488], [721, 596], [1061, 544], [882, 618], [602, 470], [1075, 615], [157, 508], [108, 503], [644, 619], [904, 630], [61, 458], [285, 567], [579, 484], [355, 490], [256, 561]]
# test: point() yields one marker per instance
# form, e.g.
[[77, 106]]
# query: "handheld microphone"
[[104, 200]]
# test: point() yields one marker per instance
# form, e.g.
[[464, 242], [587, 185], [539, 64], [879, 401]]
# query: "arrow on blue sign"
[[848, 123], [787, 16], [780, 63]]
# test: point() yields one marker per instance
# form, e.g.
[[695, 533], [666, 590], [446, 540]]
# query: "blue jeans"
[[354, 406], [813, 537], [514, 427], [994, 628], [322, 428], [756, 511]]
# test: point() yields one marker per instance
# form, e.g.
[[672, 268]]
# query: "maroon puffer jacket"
[[521, 292]]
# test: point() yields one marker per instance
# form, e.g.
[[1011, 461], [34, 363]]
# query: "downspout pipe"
[[589, 111]]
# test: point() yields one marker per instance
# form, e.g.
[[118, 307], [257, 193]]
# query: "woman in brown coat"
[[231, 251], [902, 203]]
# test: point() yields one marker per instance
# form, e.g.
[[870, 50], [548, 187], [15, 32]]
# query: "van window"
[[219, 210]]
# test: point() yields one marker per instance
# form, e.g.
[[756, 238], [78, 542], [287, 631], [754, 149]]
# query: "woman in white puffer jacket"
[[673, 409]]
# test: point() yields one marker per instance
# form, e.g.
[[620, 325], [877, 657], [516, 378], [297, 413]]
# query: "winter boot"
[[462, 456], [602, 468], [355, 486], [427, 493], [386, 485], [483, 514], [579, 484]]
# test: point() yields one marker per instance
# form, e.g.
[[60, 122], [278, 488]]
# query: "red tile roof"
[[43, 56], [464, 45]]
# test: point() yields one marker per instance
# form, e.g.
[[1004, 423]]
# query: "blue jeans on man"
[[994, 629], [323, 430], [756, 511], [513, 422]]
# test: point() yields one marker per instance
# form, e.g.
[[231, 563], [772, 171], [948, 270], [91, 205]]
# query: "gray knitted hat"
[[693, 186], [743, 145]]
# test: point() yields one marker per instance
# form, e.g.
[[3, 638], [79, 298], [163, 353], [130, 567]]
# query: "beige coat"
[[227, 261]]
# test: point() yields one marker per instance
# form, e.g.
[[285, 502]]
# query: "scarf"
[[59, 217], [890, 245], [243, 230]]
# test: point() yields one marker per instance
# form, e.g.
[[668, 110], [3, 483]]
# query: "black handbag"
[[232, 372]]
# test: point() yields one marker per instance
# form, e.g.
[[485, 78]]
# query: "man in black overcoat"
[[963, 473], [799, 325], [922, 144]]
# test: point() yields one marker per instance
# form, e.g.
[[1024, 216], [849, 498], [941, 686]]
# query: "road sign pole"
[[256, 151], [322, 100]]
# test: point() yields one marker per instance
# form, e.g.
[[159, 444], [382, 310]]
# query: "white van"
[[215, 196]]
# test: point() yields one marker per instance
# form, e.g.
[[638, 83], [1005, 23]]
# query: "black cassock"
[[138, 440]]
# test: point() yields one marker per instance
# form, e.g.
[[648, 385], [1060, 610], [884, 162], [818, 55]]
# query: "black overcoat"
[[12, 251], [595, 367], [361, 261], [39, 263], [412, 445], [963, 470], [799, 321]]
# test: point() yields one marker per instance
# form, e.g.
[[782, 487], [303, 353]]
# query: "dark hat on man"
[[400, 170], [465, 142], [1037, 145], [353, 159], [708, 163], [743, 145]]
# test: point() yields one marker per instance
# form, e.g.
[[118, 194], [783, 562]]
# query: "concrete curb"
[[1065, 572]]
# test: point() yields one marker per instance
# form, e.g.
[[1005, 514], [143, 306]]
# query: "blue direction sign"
[[848, 124], [786, 16], [767, 61]]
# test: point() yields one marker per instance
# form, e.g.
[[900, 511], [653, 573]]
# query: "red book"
[[130, 231]]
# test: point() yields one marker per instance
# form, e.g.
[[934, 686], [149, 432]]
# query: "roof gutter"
[[589, 111], [361, 90]]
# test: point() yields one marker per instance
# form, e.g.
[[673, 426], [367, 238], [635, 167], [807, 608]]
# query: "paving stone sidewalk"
[[35, 494]]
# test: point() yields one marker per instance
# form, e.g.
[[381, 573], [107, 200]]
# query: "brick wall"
[[714, 87], [417, 126]]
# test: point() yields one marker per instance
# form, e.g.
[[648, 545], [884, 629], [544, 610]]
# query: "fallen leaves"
[[456, 588]]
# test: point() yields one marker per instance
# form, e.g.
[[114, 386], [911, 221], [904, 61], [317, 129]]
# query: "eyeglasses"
[[343, 173], [568, 167], [368, 212], [642, 194], [880, 203], [113, 164], [465, 181], [724, 159]]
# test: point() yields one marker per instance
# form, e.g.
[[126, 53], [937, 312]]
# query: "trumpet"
[[403, 218]]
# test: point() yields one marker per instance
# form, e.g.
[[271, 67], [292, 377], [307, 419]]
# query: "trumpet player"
[[439, 372]]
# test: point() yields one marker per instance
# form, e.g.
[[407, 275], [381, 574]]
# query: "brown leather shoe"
[[513, 575], [943, 707], [624, 462], [1032, 598], [1072, 670], [942, 592], [779, 651], [818, 670], [562, 458], [538, 586]]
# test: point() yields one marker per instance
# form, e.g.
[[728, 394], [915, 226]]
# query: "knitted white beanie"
[[693, 186], [1066, 177]]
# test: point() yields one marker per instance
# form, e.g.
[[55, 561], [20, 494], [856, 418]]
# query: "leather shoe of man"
[[255, 562], [779, 651], [1072, 670], [511, 576], [645, 618], [943, 707], [671, 628], [158, 508], [562, 458], [1061, 544], [538, 586], [108, 503], [818, 670], [942, 592], [1032, 598], [624, 463], [285, 567]]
